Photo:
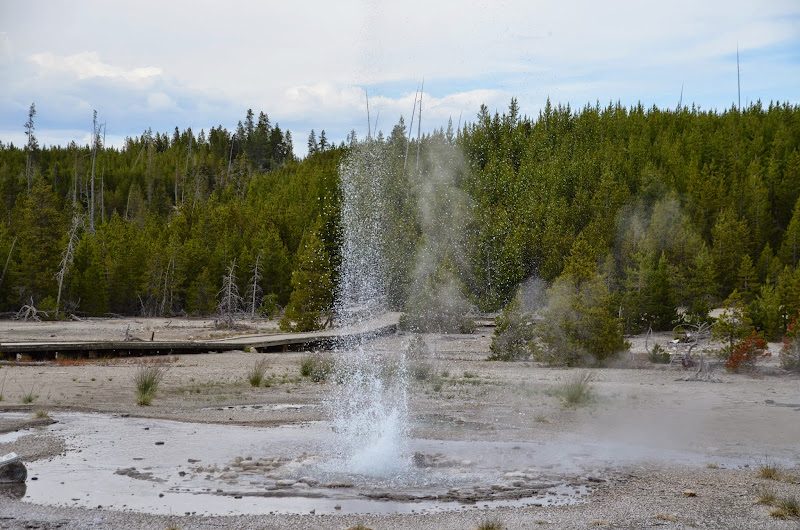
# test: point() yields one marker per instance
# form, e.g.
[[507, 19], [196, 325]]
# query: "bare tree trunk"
[[230, 157], [419, 121], [166, 297], [411, 128], [255, 288], [8, 259], [102, 184], [230, 301], [75, 180], [369, 123], [66, 261], [128, 202], [94, 159]]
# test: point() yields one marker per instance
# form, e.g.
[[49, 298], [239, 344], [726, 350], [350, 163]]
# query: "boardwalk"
[[41, 350]]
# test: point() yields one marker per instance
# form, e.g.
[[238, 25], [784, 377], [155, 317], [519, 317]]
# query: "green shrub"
[[658, 355], [514, 334], [439, 306], [790, 352], [580, 325]]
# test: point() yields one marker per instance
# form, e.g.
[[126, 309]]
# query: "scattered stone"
[[132, 472], [334, 485]]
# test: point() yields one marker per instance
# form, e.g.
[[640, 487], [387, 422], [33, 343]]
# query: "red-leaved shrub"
[[746, 351]]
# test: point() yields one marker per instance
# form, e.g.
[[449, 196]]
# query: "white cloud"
[[307, 64], [87, 65], [158, 101]]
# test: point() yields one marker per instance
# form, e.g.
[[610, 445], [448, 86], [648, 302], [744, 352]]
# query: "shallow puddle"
[[168, 467]]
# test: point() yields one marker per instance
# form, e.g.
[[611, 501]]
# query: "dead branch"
[[690, 336], [29, 312]]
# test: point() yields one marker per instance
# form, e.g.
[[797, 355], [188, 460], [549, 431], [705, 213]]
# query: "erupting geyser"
[[369, 407]]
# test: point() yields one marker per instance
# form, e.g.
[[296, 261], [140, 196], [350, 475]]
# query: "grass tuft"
[[420, 370], [316, 366], [786, 508], [665, 517], [770, 470], [30, 397], [492, 524], [576, 390], [766, 497], [147, 379], [41, 414], [257, 373]]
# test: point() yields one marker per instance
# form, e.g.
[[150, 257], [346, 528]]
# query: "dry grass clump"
[[257, 372], [786, 508], [665, 517], [146, 380], [767, 497], [783, 507], [420, 370], [492, 524], [576, 390], [316, 366], [417, 348], [770, 470]]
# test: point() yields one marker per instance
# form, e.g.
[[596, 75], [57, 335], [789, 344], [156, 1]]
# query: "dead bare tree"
[[411, 127], [690, 336], [419, 121], [94, 160], [229, 300], [31, 146], [29, 312], [166, 295], [8, 259], [69, 254], [254, 291]]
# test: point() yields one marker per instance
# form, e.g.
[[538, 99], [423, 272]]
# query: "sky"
[[312, 64]]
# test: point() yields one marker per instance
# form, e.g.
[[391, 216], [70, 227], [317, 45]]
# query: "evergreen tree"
[[312, 143], [312, 290], [790, 249], [579, 325]]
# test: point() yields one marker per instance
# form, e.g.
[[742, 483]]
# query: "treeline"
[[172, 214], [667, 208], [677, 208]]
